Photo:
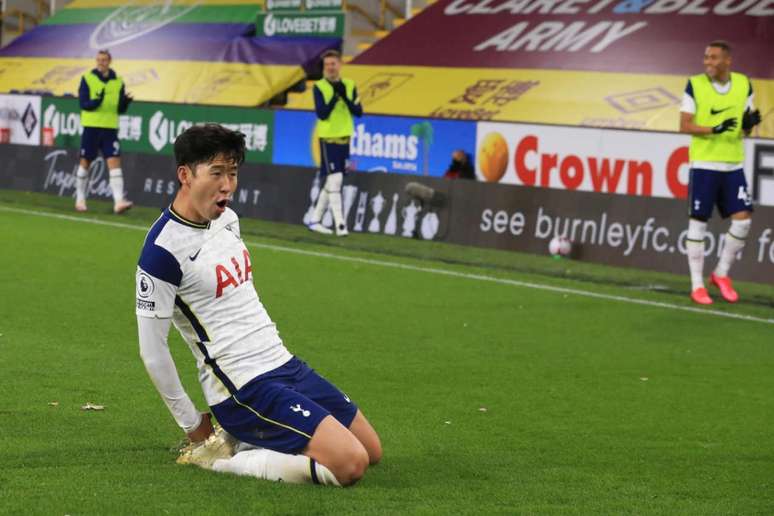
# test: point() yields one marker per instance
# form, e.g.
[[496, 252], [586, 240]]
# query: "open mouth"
[[222, 204]]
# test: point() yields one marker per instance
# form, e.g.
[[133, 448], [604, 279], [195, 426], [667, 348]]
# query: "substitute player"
[[717, 109], [195, 272], [336, 103], [102, 97]]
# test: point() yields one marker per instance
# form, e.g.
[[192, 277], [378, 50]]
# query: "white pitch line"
[[429, 270]]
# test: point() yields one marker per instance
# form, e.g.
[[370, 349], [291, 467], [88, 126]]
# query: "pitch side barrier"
[[620, 230], [623, 162]]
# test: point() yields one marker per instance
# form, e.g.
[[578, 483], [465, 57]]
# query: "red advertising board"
[[633, 163]]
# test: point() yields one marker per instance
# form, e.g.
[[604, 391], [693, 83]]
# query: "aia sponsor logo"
[[234, 273]]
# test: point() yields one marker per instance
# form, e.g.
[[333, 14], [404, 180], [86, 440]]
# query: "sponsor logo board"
[[379, 144], [20, 119], [634, 163], [320, 24], [152, 128], [323, 5], [631, 231], [283, 5], [616, 230]]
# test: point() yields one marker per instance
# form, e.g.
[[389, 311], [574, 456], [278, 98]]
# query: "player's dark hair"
[[105, 52], [202, 143], [721, 43], [331, 53]]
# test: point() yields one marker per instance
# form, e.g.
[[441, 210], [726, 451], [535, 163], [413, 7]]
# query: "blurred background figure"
[[336, 104], [460, 166], [102, 97]]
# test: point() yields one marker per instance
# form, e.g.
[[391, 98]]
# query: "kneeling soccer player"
[[283, 420]]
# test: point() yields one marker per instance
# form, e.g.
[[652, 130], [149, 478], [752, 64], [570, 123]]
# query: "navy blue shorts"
[[96, 139], [334, 157], [707, 188], [280, 410]]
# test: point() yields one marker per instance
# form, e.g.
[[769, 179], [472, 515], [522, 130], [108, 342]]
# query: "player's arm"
[[687, 117], [158, 361], [688, 126], [158, 278], [124, 100], [322, 109], [84, 97], [354, 105], [752, 116]]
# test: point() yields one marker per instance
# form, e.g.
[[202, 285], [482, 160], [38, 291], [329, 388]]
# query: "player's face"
[[103, 63], [212, 187], [716, 62], [331, 68]]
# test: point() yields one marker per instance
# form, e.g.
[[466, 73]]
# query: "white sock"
[[81, 178], [270, 465], [333, 186], [734, 242], [694, 244], [320, 207], [117, 184]]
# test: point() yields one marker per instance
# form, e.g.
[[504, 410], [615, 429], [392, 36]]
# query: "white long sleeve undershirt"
[[154, 352]]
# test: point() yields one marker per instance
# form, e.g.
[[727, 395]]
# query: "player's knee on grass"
[[367, 436], [373, 447], [353, 467], [348, 462], [336, 448], [375, 453]]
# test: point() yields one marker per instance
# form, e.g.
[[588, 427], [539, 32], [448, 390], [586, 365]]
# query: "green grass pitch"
[[490, 397]]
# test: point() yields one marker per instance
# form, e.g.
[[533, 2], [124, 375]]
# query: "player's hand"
[[750, 119], [204, 429], [129, 97], [339, 88], [727, 125]]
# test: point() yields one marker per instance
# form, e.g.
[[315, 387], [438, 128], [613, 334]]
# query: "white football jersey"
[[201, 277]]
